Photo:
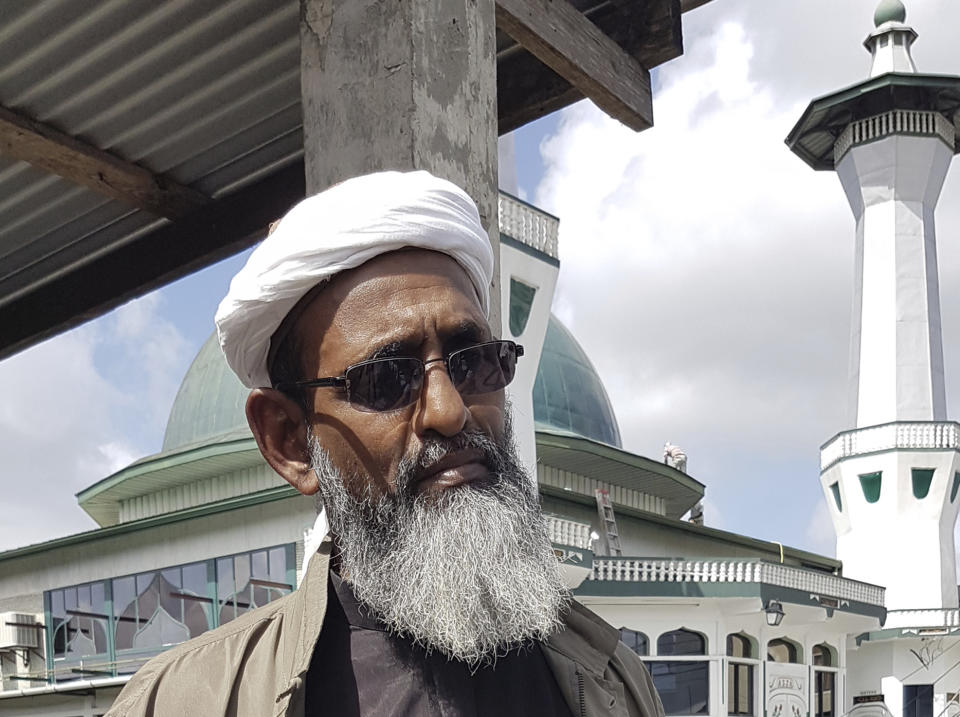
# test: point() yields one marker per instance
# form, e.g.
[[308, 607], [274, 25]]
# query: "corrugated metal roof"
[[204, 91]]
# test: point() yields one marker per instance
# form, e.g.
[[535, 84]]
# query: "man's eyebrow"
[[466, 332], [389, 350]]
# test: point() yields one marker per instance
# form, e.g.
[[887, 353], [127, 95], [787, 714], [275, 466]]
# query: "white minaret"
[[892, 481]]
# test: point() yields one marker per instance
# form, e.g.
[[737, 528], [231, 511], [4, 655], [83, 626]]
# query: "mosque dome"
[[210, 402], [889, 11], [568, 393], [567, 396]]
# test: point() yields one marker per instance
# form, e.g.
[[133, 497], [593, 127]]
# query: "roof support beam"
[[50, 149], [578, 51], [115, 275]]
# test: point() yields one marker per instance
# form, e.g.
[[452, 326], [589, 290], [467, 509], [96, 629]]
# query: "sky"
[[705, 269]]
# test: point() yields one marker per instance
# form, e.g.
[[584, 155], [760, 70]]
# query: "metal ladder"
[[608, 523]]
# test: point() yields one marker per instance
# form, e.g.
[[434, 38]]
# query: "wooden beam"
[[578, 51], [80, 292], [25, 139]]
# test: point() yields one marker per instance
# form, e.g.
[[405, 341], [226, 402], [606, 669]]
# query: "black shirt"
[[358, 668]]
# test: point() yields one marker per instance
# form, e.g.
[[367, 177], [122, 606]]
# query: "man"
[[378, 385]]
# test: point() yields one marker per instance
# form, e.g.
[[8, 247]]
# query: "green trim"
[[163, 461], [956, 486], [835, 489], [521, 301], [871, 484], [526, 249], [569, 441], [245, 501], [921, 478], [801, 558]]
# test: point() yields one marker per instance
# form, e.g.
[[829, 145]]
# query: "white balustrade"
[[568, 532], [735, 571], [911, 122], [933, 618], [927, 434], [529, 225]]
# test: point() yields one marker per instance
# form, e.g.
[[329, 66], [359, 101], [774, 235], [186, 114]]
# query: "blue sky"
[[705, 270]]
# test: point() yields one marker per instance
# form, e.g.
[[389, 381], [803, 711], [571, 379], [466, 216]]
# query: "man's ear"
[[278, 425]]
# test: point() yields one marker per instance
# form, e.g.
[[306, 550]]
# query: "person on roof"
[[360, 324]]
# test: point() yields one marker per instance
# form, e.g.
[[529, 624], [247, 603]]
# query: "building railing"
[[936, 435], [568, 532], [528, 225], [910, 122], [735, 571], [932, 618]]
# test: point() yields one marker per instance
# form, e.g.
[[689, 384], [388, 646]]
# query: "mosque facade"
[[203, 531]]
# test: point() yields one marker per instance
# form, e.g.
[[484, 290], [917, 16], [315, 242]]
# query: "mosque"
[[203, 531]]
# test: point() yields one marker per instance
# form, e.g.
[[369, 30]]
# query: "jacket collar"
[[586, 639], [306, 610]]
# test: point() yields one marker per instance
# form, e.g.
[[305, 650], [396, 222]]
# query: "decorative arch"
[[681, 642], [635, 640], [824, 655], [783, 649], [740, 644], [740, 674]]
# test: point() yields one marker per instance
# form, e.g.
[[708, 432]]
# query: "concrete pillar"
[[403, 85]]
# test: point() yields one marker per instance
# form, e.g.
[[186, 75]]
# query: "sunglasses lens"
[[384, 384], [484, 368]]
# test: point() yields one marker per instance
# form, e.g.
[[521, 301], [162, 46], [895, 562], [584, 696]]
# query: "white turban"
[[340, 229]]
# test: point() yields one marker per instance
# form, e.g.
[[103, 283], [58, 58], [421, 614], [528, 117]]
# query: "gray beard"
[[469, 572]]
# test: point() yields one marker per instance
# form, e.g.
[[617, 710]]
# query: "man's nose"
[[441, 406]]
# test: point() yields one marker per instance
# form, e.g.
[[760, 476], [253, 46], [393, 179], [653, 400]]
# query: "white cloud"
[[69, 416], [708, 272]]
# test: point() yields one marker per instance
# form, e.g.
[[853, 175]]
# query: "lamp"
[[774, 613]]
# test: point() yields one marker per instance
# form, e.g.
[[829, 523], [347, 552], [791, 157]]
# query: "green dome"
[[889, 11], [210, 402], [567, 396]]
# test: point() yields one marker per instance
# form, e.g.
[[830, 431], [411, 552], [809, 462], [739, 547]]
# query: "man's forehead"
[[391, 297]]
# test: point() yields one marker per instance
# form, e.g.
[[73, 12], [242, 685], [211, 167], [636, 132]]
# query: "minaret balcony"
[[902, 435], [916, 123]]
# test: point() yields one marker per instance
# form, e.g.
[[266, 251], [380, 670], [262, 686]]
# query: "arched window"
[[636, 641], [739, 675], [824, 680], [823, 655], [739, 645], [681, 642], [781, 650], [683, 684]]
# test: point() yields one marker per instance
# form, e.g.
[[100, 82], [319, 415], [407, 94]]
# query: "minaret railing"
[[907, 435], [907, 122]]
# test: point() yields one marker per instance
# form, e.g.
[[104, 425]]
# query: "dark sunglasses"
[[388, 384]]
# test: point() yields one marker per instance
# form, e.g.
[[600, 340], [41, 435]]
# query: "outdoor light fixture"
[[774, 612]]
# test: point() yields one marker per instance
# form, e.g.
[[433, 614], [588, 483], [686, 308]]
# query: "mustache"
[[435, 449]]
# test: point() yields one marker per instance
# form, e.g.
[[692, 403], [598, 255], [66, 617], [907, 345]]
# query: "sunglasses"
[[389, 384]]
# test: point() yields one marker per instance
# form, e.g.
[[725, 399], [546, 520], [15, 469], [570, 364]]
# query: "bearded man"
[[360, 323]]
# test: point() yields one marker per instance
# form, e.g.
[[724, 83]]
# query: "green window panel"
[[956, 487], [521, 301], [870, 483], [835, 489], [921, 478]]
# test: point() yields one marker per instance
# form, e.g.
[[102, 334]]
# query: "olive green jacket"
[[256, 665]]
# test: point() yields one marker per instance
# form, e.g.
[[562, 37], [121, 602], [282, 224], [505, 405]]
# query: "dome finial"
[[889, 11]]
